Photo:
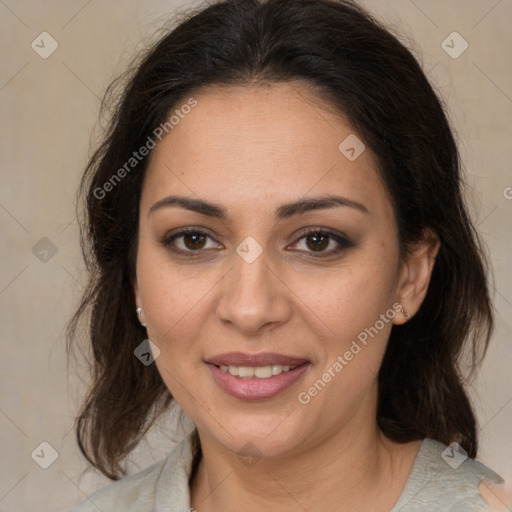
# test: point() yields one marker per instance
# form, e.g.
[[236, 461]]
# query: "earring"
[[139, 311], [404, 311]]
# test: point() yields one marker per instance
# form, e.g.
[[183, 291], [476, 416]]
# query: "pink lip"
[[262, 359], [257, 389]]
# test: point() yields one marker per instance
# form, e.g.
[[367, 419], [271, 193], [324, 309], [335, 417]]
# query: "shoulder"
[[163, 486], [443, 478]]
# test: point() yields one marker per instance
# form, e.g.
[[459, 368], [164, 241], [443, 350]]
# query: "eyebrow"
[[282, 212]]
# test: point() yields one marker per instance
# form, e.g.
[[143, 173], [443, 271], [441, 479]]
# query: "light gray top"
[[440, 480]]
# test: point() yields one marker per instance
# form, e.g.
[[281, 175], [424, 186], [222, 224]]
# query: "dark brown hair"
[[370, 77]]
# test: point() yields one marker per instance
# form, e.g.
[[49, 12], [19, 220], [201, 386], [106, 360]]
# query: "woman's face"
[[248, 288]]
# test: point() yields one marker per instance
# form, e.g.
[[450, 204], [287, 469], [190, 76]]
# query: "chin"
[[260, 436]]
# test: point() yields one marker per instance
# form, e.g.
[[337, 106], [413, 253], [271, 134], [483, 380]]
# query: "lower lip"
[[256, 389]]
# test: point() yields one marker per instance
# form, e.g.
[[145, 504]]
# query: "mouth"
[[256, 376], [257, 372]]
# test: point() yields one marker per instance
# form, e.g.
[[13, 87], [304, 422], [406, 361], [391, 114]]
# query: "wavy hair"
[[364, 72]]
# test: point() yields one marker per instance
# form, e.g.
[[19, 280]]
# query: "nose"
[[253, 297]]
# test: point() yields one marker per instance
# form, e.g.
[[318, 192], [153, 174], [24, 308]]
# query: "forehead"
[[241, 144]]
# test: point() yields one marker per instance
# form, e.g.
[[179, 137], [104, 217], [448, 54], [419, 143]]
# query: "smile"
[[256, 376], [260, 372]]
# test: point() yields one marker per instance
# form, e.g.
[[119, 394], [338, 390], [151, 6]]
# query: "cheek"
[[175, 300], [351, 314], [353, 341], [351, 297]]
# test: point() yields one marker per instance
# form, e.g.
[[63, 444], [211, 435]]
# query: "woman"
[[277, 207]]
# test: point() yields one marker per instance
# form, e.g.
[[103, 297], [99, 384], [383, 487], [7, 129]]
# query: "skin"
[[251, 149]]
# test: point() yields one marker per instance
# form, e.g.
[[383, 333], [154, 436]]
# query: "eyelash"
[[343, 241]]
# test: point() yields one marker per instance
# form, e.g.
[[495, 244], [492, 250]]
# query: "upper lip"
[[261, 359]]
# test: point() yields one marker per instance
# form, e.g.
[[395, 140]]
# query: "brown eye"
[[194, 241], [190, 242], [318, 241]]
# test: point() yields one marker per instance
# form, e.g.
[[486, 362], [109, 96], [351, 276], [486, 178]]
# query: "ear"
[[415, 273]]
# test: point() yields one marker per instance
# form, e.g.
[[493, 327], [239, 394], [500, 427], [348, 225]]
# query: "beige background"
[[49, 108]]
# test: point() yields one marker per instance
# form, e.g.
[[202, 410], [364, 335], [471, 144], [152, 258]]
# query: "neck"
[[357, 468]]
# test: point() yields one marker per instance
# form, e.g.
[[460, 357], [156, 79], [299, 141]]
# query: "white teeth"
[[260, 372], [245, 371], [263, 372]]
